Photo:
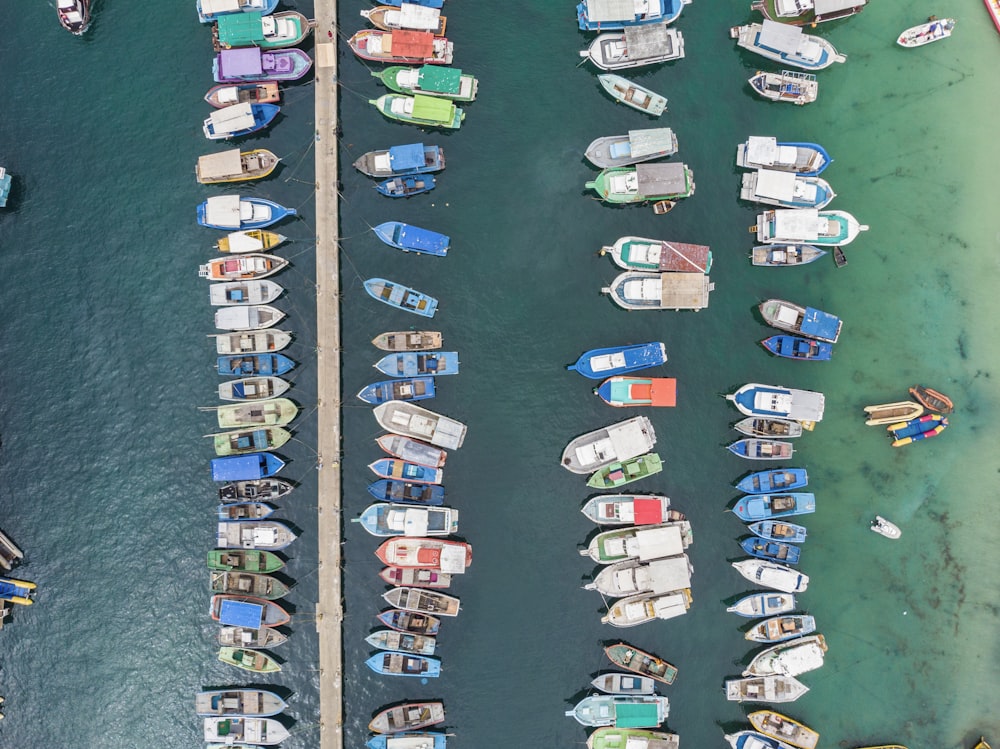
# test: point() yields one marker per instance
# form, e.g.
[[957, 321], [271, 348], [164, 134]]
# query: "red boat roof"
[[415, 44], [647, 511]]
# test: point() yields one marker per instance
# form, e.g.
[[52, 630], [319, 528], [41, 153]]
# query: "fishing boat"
[[429, 553], [754, 740], [644, 543], [212, 10], [242, 267], [753, 507], [932, 400], [392, 663], [766, 482], [786, 44], [761, 604], [781, 628], [410, 420], [415, 577], [246, 467], [789, 85], [410, 716], [642, 183], [775, 551], [401, 297], [229, 293], [633, 95], [251, 342], [247, 584], [409, 238], [260, 731], [244, 511], [262, 489], [622, 711], [811, 12], [655, 255], [603, 447], [634, 577], [410, 622], [676, 291], [405, 492], [415, 364], [635, 46], [632, 148], [774, 530], [798, 348], [754, 399], [890, 413], [934, 30], [430, 80], [74, 15], [993, 6], [273, 31], [408, 16], [402, 642], [245, 703], [402, 46], [408, 340], [247, 611], [922, 428], [257, 92], [643, 608], [754, 448], [808, 226], [235, 121], [787, 190], [420, 109], [886, 528], [267, 535], [634, 738], [790, 658], [249, 317], [255, 64], [250, 638], [422, 601], [757, 426], [785, 729], [765, 152], [254, 367], [408, 741], [411, 450], [242, 441], [244, 560], [765, 689], [773, 576], [406, 186], [235, 165], [762, 482], [627, 509], [608, 15], [640, 662], [398, 161], [231, 212], [603, 362], [10, 554], [616, 683], [393, 468], [406, 389], [426, 3], [622, 392], [276, 412]]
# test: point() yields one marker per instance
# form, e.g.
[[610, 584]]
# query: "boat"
[[276, 412], [249, 638], [676, 291], [407, 493], [235, 165], [257, 92], [632, 148], [889, 413], [247, 611], [249, 317], [246, 467], [267, 535], [622, 711], [773, 576], [934, 30], [402, 642], [415, 577], [247, 584], [231, 212], [754, 399], [273, 31], [426, 3], [754, 448], [244, 560], [74, 15], [212, 10], [406, 186], [811, 12], [627, 509], [633, 95], [406, 389], [608, 15], [408, 16], [775, 551], [788, 85], [787, 190], [886, 528], [754, 740], [808, 226], [422, 601], [790, 658], [242, 267], [663, 206], [408, 741], [781, 628], [633, 738], [758, 426], [410, 716], [393, 468], [765, 152], [241, 441], [753, 507], [261, 489], [428, 553], [408, 340], [635, 46], [993, 6], [410, 420], [244, 511], [430, 80], [409, 621], [786, 44], [643, 608], [416, 364], [420, 109], [781, 727], [411, 450], [254, 366], [230, 293], [798, 348], [774, 530], [640, 662], [603, 362], [401, 297], [245, 703], [260, 731], [235, 121], [249, 64], [409, 238], [922, 428], [20, 592], [655, 255], [5, 186], [642, 183], [251, 342], [635, 578], [402, 46], [398, 161], [624, 472], [616, 683], [765, 689], [644, 543], [761, 604], [393, 663], [10, 554], [622, 392], [932, 400]]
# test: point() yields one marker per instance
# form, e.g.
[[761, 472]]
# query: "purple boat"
[[256, 64]]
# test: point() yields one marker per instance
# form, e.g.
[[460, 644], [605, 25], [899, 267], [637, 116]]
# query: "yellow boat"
[[235, 166], [16, 591], [251, 240], [982, 744], [887, 413], [783, 728]]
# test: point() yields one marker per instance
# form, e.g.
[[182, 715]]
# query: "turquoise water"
[[103, 475]]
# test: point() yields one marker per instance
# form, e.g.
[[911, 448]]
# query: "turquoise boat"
[[643, 183], [430, 80], [625, 472], [640, 711], [396, 295], [426, 111], [254, 29]]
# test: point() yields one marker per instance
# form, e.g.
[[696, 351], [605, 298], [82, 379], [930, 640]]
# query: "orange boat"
[[932, 400]]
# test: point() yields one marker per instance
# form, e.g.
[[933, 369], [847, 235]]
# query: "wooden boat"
[[254, 365], [783, 728], [886, 528], [253, 292], [249, 660], [236, 121], [775, 551], [74, 15], [761, 604], [267, 535], [767, 506], [643, 608], [644, 543], [260, 731], [807, 226], [428, 553], [275, 412], [781, 628], [384, 519], [635, 578], [773, 576], [798, 348], [628, 509], [251, 342], [934, 30], [806, 12], [663, 206], [765, 152], [10, 554], [244, 560], [406, 389], [246, 467], [415, 577], [635, 46], [409, 621], [622, 392], [788, 85], [402, 46], [260, 489], [889, 413], [247, 611], [603, 447], [410, 716], [907, 432], [251, 64], [406, 186], [754, 740], [772, 689], [599, 363], [420, 109], [408, 340], [790, 658], [798, 320], [774, 401], [393, 468], [411, 450], [247, 584], [993, 7], [756, 426], [391, 663], [616, 683], [786, 44], [676, 291], [245, 703], [272, 31], [643, 183], [411, 420], [403, 642], [257, 92], [633, 95], [407, 16], [416, 364], [624, 472], [643, 711], [397, 161], [774, 530], [430, 80], [232, 212], [754, 448], [785, 255], [401, 297], [244, 511], [422, 601], [932, 400], [632, 148], [250, 638], [634, 738], [242, 267], [212, 10], [655, 255], [596, 15], [235, 166], [405, 492]]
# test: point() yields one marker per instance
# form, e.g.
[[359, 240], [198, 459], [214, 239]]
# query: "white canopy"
[[223, 210], [776, 185], [800, 225], [656, 543], [232, 119], [782, 37], [211, 7]]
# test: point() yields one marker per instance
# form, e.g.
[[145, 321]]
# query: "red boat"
[[428, 553], [407, 47]]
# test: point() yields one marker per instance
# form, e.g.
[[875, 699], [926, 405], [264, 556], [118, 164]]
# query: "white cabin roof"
[[651, 141], [657, 543], [782, 37], [413, 16], [602, 11], [803, 224], [210, 7], [777, 185], [223, 210], [665, 575]]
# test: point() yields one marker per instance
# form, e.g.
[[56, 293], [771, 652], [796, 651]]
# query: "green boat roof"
[[636, 716], [434, 110], [241, 29], [440, 80]]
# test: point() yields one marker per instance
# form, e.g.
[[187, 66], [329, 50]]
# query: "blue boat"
[[393, 663], [415, 158], [405, 492], [238, 120], [246, 467], [413, 364], [614, 15], [795, 347], [766, 603], [210, 10], [407, 185], [753, 448], [248, 365], [396, 295], [16, 591], [755, 399], [774, 530], [425, 3], [599, 363], [765, 152], [409, 238], [764, 506], [407, 389], [233, 213], [427, 740], [798, 320], [774, 551], [780, 480], [394, 469]]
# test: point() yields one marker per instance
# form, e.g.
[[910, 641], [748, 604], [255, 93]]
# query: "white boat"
[[786, 44], [633, 95], [231, 730], [594, 450], [786, 189], [773, 576], [777, 401], [251, 342], [635, 46], [763, 604], [231, 293], [252, 388], [628, 509], [386, 519], [636, 610], [807, 226], [410, 420], [408, 16], [247, 267], [934, 30], [634, 577], [644, 543], [764, 152], [619, 683], [252, 317], [633, 148], [886, 528], [676, 291], [788, 85], [765, 689], [790, 658]]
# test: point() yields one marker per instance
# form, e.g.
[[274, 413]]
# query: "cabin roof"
[[603, 11], [661, 179], [651, 40], [223, 164], [651, 141], [781, 37], [430, 108], [421, 239], [407, 157], [440, 79], [241, 614], [241, 28], [240, 63], [819, 324], [404, 43]]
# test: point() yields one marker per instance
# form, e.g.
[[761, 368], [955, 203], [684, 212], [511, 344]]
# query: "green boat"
[[420, 110], [285, 29], [249, 660], [244, 441], [244, 560], [432, 80], [643, 183], [633, 738], [625, 472]]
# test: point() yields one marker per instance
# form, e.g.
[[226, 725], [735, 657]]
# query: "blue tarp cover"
[[406, 157], [423, 239], [240, 614], [241, 468], [819, 324]]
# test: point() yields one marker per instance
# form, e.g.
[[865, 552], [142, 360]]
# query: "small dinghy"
[[406, 186], [411, 450], [402, 642], [244, 511], [401, 297], [410, 621], [245, 267], [418, 364], [633, 95], [752, 448], [616, 683], [766, 482], [257, 490], [408, 340], [785, 255], [406, 389], [886, 528], [252, 342], [781, 727], [932, 400], [246, 583], [933, 31], [756, 426], [888, 413], [253, 317], [423, 601], [254, 367], [765, 689], [229, 293], [258, 92], [781, 628], [798, 348], [393, 468], [640, 662], [391, 663], [775, 530], [249, 660], [244, 560], [772, 550], [251, 240], [763, 604], [250, 638]]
